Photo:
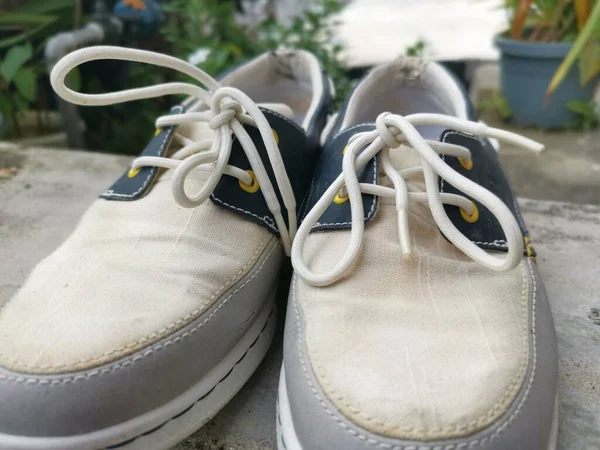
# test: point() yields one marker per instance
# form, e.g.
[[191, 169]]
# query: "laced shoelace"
[[228, 110], [392, 131]]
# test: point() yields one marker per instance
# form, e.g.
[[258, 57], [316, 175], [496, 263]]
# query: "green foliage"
[[18, 83], [418, 49], [314, 31], [575, 21], [23, 31], [212, 25], [14, 60], [34, 20], [543, 20], [210, 32], [587, 117], [494, 103], [586, 48]]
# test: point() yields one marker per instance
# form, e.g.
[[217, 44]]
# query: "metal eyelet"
[[466, 163], [471, 218], [133, 172], [338, 200], [251, 188]]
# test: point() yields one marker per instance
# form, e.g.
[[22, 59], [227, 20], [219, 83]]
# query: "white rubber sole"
[[171, 423], [288, 440]]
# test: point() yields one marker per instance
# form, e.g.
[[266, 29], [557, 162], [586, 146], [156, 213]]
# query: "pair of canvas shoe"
[[416, 318]]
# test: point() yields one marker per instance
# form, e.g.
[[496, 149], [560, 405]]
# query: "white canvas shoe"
[[160, 305], [417, 319]]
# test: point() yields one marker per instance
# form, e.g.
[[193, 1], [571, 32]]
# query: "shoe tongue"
[[405, 157]]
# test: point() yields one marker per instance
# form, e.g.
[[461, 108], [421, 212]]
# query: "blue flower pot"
[[526, 69]]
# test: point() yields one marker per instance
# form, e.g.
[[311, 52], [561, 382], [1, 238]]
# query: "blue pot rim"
[[534, 50]]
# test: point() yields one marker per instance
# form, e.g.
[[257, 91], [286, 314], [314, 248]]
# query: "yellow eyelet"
[[466, 163], [344, 151], [157, 131], [338, 200], [276, 136], [133, 172], [252, 188], [474, 217]]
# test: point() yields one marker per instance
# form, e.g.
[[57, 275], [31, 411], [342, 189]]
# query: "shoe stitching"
[[110, 193], [210, 391], [468, 136], [472, 444], [339, 133], [312, 184], [291, 122], [371, 212], [148, 352], [266, 219]]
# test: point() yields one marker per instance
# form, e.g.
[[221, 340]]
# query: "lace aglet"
[[515, 139], [537, 147], [403, 232]]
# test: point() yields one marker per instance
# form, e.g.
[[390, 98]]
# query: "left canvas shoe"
[[160, 305], [417, 318]]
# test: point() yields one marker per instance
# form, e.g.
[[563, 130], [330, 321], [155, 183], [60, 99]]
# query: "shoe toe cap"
[[525, 424]]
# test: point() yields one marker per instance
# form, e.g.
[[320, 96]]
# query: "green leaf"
[[32, 26], [587, 117], [589, 62], [26, 83], [14, 60], [578, 48], [47, 6], [74, 79], [20, 103]]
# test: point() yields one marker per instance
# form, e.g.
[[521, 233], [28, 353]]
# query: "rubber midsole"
[[146, 422], [287, 438]]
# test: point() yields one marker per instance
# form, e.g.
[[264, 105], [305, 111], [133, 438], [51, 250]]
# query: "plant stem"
[[15, 119]]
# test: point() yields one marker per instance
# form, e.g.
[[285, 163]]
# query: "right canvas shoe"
[[160, 305], [417, 318]]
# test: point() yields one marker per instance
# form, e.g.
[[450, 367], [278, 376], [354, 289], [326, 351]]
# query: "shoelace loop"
[[225, 109], [392, 131]]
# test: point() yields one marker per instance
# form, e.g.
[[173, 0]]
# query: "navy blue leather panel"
[[129, 189], [486, 171], [299, 154], [328, 169]]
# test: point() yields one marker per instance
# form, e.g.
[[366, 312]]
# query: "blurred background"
[[546, 51]]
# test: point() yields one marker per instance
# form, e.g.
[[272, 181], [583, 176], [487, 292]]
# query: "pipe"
[[58, 46]]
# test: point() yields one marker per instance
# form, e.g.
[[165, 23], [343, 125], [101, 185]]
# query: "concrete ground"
[[44, 191]]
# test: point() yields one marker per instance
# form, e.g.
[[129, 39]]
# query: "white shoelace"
[[229, 109], [392, 131]]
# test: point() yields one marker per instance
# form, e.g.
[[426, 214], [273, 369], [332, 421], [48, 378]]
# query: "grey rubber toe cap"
[[91, 400], [527, 425]]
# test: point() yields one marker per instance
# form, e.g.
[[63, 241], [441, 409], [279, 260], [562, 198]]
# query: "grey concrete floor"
[[43, 192], [568, 170]]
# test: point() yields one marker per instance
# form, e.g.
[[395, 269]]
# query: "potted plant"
[[550, 60]]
